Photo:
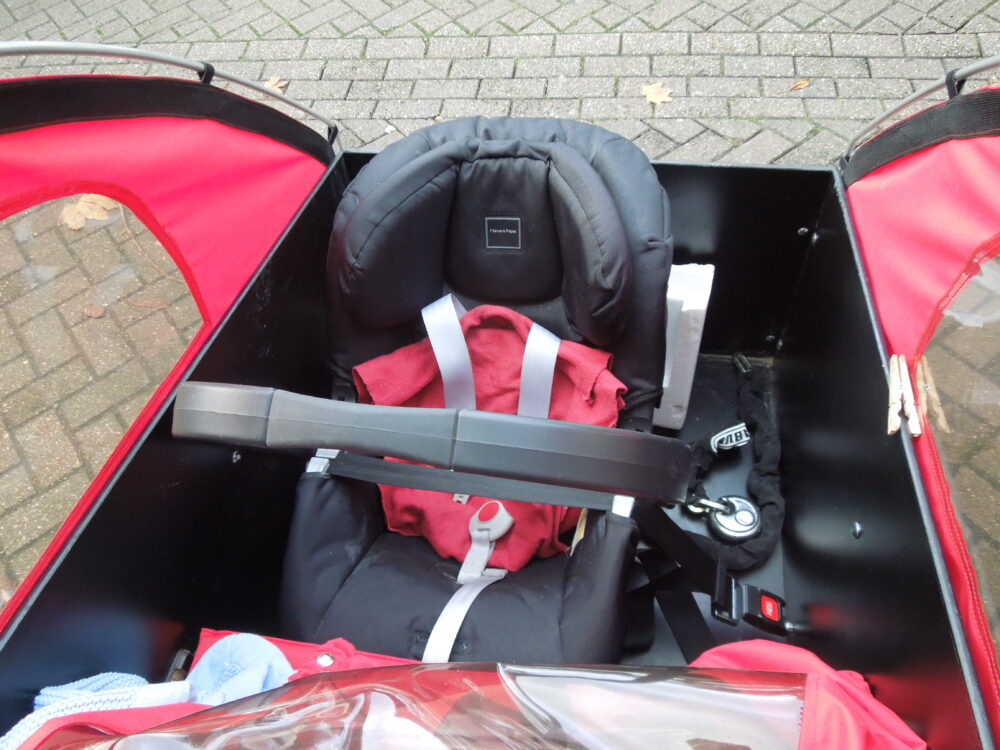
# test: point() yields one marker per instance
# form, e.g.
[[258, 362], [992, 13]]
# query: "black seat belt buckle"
[[763, 610], [742, 601]]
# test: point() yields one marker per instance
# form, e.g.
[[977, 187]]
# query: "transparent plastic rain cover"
[[432, 707]]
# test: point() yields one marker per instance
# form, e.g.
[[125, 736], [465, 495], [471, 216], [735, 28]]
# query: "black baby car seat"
[[561, 221]]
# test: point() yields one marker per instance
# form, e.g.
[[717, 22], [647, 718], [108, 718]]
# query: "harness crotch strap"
[[491, 521]]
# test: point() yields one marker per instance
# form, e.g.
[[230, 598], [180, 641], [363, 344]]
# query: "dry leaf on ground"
[[656, 93], [799, 84], [151, 303], [277, 83], [90, 206], [93, 311]]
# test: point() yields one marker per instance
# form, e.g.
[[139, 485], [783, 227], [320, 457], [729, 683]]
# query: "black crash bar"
[[548, 452]]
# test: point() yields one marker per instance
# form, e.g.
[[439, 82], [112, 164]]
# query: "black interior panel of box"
[[188, 537]]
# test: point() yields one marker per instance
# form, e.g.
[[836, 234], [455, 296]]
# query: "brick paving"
[[383, 68], [93, 319]]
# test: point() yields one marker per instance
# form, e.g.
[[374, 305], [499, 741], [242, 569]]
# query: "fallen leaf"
[[72, 217], [151, 303], [799, 84], [90, 206], [93, 311], [99, 200], [277, 83], [656, 93]]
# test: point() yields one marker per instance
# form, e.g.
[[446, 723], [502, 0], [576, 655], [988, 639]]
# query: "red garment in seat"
[[583, 390]]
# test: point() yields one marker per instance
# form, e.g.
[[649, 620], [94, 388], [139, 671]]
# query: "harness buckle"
[[752, 604], [498, 522]]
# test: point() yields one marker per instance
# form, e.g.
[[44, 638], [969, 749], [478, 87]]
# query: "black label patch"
[[503, 233]]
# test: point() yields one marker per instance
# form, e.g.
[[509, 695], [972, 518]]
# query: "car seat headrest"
[[510, 220]]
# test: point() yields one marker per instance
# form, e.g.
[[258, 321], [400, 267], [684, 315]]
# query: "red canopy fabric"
[[217, 197], [926, 223]]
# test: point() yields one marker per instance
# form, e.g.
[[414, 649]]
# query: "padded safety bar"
[[602, 459]]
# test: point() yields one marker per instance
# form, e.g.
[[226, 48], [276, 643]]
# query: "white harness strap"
[[441, 319], [452, 355], [537, 370]]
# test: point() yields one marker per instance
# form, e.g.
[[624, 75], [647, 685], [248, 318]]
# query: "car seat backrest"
[[562, 221]]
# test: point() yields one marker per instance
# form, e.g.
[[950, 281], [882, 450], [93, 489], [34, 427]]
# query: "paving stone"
[[867, 45], [512, 88], [98, 439], [817, 88], [521, 46], [754, 65], [568, 108], [631, 86], [691, 65], [654, 143], [941, 45], [795, 44], [339, 49], [48, 452], [41, 393], [491, 68], [393, 49], [661, 43], [725, 87], [380, 90], [762, 148], [410, 69], [760, 107], [612, 109], [473, 107], [38, 517], [850, 67], [103, 394], [898, 67], [547, 67], [865, 109], [15, 487], [458, 47], [715, 44], [463, 88], [408, 108], [616, 66], [693, 106], [352, 70]]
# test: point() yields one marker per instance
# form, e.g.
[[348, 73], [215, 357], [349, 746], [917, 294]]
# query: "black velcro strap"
[[660, 531], [207, 74], [968, 116], [398, 474]]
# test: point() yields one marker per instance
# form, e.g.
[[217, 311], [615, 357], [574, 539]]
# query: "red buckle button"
[[770, 608]]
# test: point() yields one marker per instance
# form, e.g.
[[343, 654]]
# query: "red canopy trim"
[[925, 224], [217, 198]]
